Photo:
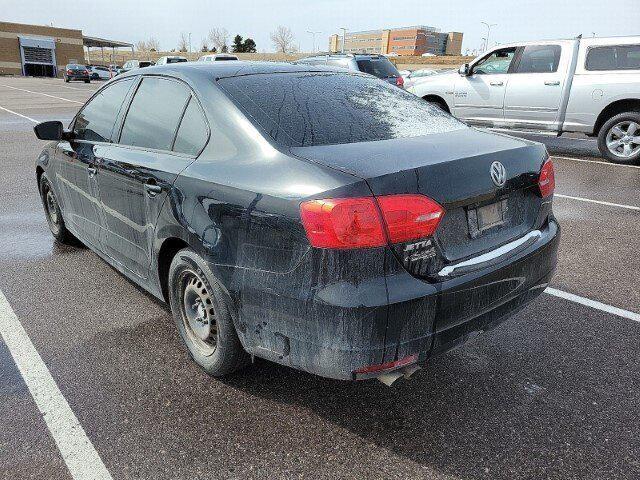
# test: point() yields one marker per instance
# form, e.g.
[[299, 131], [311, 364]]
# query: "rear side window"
[[614, 57], [540, 59], [378, 67], [154, 114], [95, 121], [193, 131], [305, 109]]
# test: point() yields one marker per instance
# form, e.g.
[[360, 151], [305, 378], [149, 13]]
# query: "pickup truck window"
[[613, 57], [539, 59], [498, 62]]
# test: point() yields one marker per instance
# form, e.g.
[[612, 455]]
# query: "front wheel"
[[619, 138], [203, 315], [53, 212]]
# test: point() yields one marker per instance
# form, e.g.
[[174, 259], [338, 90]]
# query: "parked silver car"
[[587, 85]]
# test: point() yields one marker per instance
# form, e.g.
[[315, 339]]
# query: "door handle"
[[152, 189], [92, 171], [553, 83], [496, 83]]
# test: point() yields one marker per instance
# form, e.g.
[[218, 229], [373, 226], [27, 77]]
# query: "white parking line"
[[77, 451], [19, 114], [599, 202], [603, 307], [595, 161], [40, 93]]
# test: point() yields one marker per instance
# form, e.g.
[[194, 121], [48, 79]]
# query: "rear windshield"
[[75, 67], [306, 109], [378, 67], [176, 60]]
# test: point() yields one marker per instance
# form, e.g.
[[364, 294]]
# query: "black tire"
[[52, 211], [66, 79], [87, 81], [606, 132], [221, 352]]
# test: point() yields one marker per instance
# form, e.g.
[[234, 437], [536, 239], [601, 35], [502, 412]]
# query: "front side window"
[[154, 114], [193, 132], [96, 120], [496, 63], [614, 57], [540, 59], [312, 108]]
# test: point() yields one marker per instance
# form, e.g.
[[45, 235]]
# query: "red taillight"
[[356, 222], [70, 71], [343, 223], [400, 81], [409, 217], [382, 367], [547, 179]]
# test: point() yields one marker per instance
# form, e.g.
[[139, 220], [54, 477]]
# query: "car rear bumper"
[[336, 334]]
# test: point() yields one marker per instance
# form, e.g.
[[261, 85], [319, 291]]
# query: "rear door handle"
[[92, 171], [496, 84], [553, 83], [152, 189]]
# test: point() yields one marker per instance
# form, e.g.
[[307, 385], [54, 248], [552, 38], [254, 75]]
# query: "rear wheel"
[[619, 138], [53, 212], [203, 315], [66, 79], [87, 81]]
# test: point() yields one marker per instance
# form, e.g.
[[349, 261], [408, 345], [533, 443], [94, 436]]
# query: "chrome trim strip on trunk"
[[493, 256]]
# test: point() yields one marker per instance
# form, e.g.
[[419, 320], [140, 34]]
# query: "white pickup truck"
[[587, 85]]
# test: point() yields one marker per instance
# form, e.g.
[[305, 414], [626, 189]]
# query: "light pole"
[[344, 37], [189, 45], [313, 34], [488, 25]]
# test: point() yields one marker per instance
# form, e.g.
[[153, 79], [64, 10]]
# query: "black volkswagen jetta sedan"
[[318, 218]]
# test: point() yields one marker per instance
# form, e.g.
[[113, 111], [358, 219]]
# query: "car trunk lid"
[[454, 169]]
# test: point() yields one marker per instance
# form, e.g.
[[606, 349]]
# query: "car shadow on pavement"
[[537, 397]]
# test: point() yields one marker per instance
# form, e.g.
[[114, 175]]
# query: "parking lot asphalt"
[[552, 393]]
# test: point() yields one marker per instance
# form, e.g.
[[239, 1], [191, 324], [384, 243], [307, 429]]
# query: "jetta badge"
[[498, 174]]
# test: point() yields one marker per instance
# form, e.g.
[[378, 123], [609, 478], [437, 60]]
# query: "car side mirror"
[[52, 130], [464, 70]]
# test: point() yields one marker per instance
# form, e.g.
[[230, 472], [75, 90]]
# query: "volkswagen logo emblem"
[[498, 174]]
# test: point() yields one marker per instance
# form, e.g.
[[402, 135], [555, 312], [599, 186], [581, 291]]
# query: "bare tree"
[[204, 45], [219, 38], [141, 46], [282, 39], [183, 43], [153, 44]]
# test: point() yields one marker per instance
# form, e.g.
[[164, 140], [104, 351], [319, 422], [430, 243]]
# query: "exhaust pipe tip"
[[389, 378]]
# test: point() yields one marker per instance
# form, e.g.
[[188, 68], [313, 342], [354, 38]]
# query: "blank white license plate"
[[490, 216]]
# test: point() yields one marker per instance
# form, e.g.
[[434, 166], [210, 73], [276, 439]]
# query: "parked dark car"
[[376, 65], [315, 217], [76, 72]]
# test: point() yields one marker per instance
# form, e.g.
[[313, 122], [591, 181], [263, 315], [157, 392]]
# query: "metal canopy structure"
[[104, 43], [101, 43]]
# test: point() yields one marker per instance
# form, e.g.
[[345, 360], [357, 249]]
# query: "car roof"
[[231, 69]]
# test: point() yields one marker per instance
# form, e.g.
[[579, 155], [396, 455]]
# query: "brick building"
[[414, 40], [39, 50]]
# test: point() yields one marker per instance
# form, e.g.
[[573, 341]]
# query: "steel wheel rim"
[[623, 139], [51, 206], [198, 315]]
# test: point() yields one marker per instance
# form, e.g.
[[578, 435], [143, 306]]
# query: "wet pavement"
[[553, 393]]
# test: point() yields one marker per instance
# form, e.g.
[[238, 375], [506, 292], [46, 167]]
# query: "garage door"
[[38, 56]]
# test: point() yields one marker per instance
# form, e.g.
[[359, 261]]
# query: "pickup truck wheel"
[[619, 138], [203, 315]]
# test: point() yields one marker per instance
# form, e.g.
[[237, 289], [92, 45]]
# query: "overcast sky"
[[131, 21]]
